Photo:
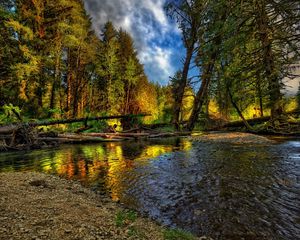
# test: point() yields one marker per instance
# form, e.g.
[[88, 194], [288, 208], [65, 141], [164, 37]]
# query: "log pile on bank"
[[26, 137], [19, 137], [108, 137]]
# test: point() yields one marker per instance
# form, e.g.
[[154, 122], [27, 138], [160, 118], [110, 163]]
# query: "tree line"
[[53, 64]]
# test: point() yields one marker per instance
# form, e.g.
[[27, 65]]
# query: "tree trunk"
[[269, 63], [198, 102], [69, 82], [182, 84], [259, 92], [200, 97], [56, 80], [239, 111]]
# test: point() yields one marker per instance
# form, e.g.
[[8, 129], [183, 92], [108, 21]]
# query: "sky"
[[157, 39], [292, 85]]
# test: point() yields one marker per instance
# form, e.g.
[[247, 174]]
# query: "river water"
[[221, 190]]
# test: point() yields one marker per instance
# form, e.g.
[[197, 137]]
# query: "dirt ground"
[[38, 206]]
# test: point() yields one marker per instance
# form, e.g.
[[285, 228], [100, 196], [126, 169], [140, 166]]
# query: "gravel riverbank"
[[233, 137], [40, 206]]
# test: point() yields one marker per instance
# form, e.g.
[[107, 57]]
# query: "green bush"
[[9, 113]]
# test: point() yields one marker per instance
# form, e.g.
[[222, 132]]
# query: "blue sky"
[[156, 37]]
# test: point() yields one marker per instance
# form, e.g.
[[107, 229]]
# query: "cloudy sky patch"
[[157, 39]]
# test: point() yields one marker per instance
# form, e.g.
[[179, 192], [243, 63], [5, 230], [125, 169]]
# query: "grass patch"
[[125, 218], [177, 234]]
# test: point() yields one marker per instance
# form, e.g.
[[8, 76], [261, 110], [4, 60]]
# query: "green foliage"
[[97, 126], [177, 234], [9, 114], [72, 127]]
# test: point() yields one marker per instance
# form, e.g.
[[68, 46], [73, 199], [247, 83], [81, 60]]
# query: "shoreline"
[[214, 136], [40, 206]]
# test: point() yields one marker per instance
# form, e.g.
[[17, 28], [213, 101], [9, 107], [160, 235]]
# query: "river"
[[221, 190]]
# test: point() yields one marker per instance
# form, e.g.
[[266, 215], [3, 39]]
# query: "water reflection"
[[220, 190], [100, 166]]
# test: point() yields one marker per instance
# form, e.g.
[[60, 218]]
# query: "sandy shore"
[[233, 137], [39, 206]]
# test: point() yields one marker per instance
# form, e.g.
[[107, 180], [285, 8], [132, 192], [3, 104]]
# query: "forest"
[[53, 65]]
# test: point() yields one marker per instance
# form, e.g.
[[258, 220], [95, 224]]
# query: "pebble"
[[82, 215]]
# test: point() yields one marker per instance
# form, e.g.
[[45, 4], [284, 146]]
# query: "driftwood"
[[66, 138], [18, 137], [139, 135], [9, 129], [105, 137], [122, 136], [175, 134], [118, 134], [25, 135]]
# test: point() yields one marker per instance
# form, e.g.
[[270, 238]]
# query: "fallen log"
[[8, 129], [72, 140], [133, 135], [73, 120], [18, 134], [138, 135], [11, 127], [175, 134], [108, 136], [62, 138]]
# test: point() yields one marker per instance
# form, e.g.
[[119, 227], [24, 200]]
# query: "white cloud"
[[149, 26], [156, 7], [292, 85], [159, 60]]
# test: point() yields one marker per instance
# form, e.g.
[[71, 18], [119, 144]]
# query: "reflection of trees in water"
[[102, 166], [85, 161], [133, 150]]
